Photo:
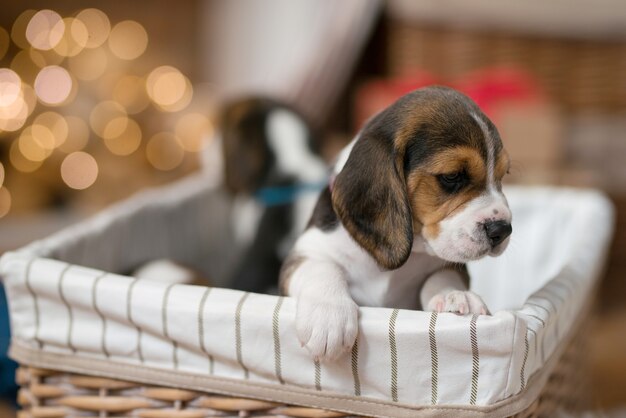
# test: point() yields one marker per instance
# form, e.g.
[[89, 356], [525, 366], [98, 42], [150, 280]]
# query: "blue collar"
[[281, 195]]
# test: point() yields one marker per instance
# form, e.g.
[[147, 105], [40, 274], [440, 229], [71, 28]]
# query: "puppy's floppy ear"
[[370, 197]]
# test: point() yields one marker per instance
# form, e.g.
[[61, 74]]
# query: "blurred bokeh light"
[[168, 88], [128, 40], [79, 170], [124, 137], [164, 151], [45, 29], [53, 85], [76, 90], [5, 201], [97, 26], [192, 131]]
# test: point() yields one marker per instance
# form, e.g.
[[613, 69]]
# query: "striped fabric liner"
[[434, 358], [401, 356], [201, 337]]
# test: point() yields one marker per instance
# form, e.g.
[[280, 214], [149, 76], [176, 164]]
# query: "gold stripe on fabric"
[[394, 355], [434, 360], [201, 329], [475, 360], [318, 375], [238, 339], [355, 368], [129, 317], [94, 304], [276, 336], [32, 293], [70, 316], [164, 307], [523, 369]]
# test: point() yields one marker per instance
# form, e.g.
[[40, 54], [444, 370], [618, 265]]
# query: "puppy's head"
[[265, 143], [431, 163], [247, 156]]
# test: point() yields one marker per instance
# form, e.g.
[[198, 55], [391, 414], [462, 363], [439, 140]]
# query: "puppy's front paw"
[[327, 328], [458, 301]]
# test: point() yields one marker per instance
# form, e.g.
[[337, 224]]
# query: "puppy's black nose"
[[497, 231]]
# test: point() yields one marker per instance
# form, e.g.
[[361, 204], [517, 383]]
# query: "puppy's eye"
[[453, 182]]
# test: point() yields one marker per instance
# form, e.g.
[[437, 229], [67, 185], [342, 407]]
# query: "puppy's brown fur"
[[391, 187]]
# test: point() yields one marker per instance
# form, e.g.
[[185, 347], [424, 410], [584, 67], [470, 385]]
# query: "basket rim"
[[513, 405]]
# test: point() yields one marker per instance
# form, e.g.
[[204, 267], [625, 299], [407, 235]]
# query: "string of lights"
[[85, 62]]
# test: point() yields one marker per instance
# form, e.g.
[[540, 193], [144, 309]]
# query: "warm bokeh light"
[[43, 137], [97, 25], [27, 64], [50, 58], [74, 38], [10, 87], [78, 31], [20, 162], [79, 170], [183, 102], [16, 101], [5, 201], [18, 30], [164, 152], [115, 127], [128, 40], [5, 41], [77, 136], [36, 143], [15, 109], [130, 92], [55, 123], [53, 85], [168, 88], [29, 96], [13, 117], [192, 131], [89, 65], [37, 57], [45, 29], [103, 114], [127, 141]]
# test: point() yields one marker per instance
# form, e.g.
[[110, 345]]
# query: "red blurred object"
[[490, 87], [487, 87]]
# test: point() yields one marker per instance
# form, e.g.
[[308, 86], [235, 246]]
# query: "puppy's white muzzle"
[[482, 228]]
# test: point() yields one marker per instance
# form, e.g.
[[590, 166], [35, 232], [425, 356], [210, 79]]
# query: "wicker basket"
[[82, 356], [50, 393], [580, 75]]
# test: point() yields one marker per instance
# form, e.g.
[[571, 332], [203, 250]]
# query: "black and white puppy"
[[274, 173], [413, 197]]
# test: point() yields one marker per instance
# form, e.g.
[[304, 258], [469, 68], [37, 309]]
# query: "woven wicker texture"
[[578, 74], [48, 394]]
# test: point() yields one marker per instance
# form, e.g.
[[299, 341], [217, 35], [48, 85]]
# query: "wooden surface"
[[6, 411], [608, 360]]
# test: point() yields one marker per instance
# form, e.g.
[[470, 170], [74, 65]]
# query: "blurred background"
[[100, 101]]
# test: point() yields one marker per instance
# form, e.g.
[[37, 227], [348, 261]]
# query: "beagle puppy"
[[273, 172], [413, 197]]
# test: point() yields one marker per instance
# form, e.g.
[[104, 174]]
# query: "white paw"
[[458, 301], [327, 327]]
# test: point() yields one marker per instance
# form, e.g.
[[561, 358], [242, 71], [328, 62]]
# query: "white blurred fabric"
[[301, 52]]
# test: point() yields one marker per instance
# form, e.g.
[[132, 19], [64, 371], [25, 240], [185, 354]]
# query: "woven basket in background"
[[580, 75]]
